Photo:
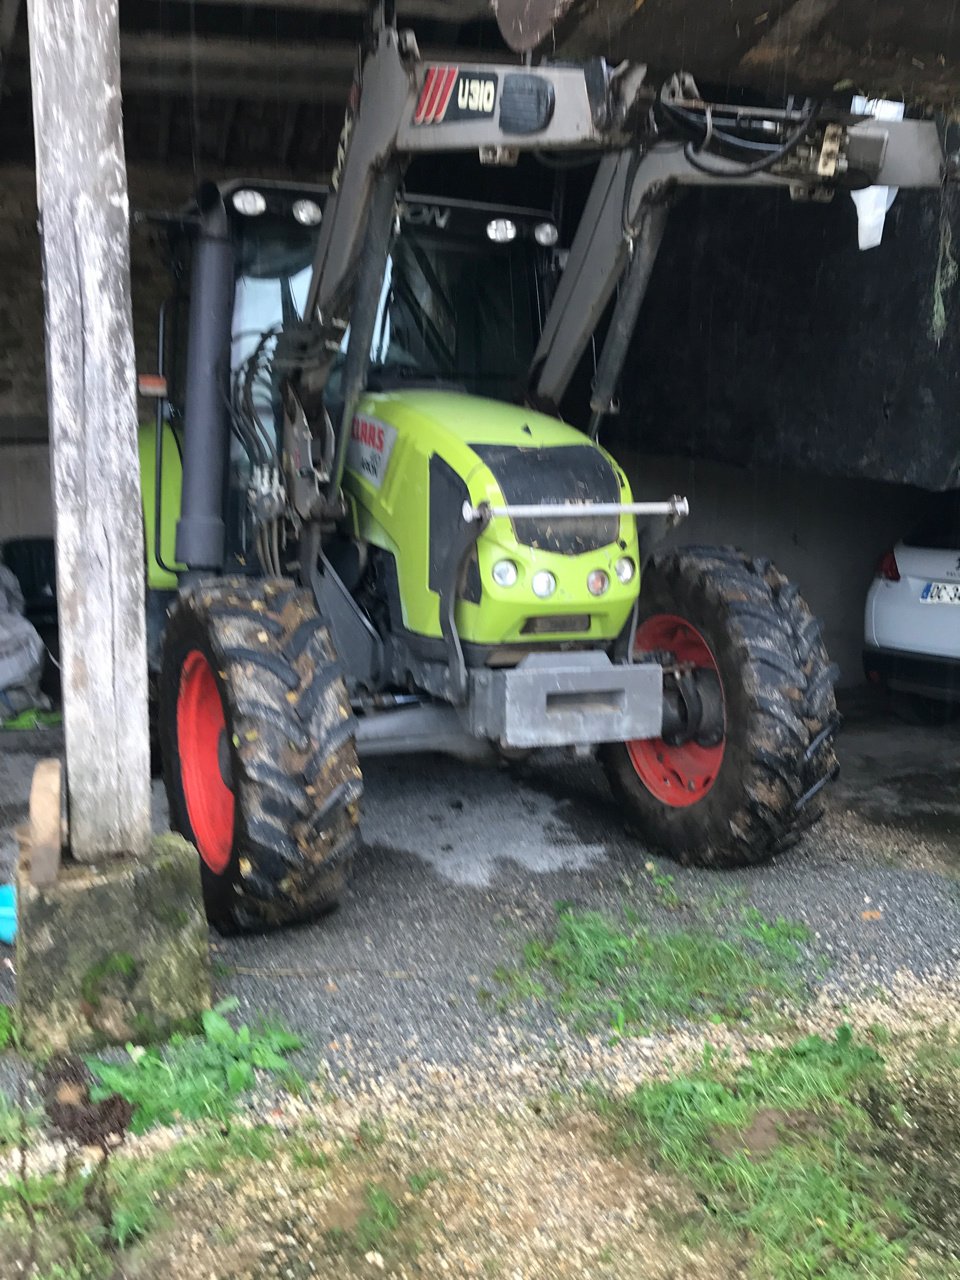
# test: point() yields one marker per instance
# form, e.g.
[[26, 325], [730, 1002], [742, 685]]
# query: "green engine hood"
[[415, 456]]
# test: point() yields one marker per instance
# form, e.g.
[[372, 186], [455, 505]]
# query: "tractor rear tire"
[[260, 764], [738, 801]]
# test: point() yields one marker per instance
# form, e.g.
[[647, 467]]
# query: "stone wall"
[[22, 378], [22, 395]]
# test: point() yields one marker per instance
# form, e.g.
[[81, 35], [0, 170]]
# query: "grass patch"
[[75, 1222], [418, 1182], [618, 971], [8, 1028], [790, 1152], [195, 1077], [78, 1223], [379, 1220], [385, 1220]]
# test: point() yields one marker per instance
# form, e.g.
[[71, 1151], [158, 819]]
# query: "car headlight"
[[249, 202], [543, 583], [625, 569], [597, 582], [504, 573]]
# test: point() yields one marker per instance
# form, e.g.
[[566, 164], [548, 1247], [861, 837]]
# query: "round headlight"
[[307, 212], [248, 202], [546, 233], [505, 573], [626, 569], [501, 230], [597, 582], [544, 584]]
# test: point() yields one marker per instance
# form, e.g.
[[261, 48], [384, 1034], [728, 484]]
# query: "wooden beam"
[[92, 408], [221, 67], [452, 11], [251, 70]]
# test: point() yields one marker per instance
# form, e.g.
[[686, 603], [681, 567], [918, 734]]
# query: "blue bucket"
[[8, 913]]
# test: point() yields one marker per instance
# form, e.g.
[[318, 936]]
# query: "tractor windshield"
[[455, 309]]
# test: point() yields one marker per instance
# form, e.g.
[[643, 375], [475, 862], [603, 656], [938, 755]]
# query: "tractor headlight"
[[307, 212], [625, 569], [501, 230], [597, 582], [546, 233], [543, 583], [249, 202], [505, 573]]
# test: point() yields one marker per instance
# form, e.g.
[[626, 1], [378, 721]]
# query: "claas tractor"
[[369, 533]]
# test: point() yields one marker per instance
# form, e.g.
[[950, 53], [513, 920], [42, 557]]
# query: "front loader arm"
[[617, 230], [403, 107], [406, 107]]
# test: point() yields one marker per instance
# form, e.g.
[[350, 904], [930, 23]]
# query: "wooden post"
[[91, 394]]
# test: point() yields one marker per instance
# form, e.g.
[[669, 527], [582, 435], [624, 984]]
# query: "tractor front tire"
[[259, 759], [741, 799]]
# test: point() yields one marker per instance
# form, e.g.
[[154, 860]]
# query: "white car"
[[912, 622]]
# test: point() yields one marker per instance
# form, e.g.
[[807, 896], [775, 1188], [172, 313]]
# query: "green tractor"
[[363, 539]]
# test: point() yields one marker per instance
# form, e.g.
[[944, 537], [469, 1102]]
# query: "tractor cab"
[[461, 309]]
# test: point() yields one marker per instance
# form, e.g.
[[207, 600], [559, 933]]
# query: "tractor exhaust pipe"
[[200, 529]]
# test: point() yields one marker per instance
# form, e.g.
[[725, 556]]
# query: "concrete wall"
[[825, 534], [26, 510]]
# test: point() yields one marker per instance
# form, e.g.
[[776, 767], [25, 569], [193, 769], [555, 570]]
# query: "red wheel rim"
[[201, 726], [676, 776]]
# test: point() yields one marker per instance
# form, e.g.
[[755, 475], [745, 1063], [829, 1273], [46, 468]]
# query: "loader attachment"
[[891, 50]]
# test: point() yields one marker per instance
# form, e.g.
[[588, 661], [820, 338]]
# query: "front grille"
[[569, 473], [560, 624]]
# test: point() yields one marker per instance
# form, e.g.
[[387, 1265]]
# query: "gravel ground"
[[460, 863]]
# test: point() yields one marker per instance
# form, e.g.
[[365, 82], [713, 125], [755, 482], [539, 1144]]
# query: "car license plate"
[[940, 593]]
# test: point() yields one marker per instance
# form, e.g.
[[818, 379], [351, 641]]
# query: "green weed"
[[306, 1157], [138, 1186], [782, 1149], [782, 938], [194, 1077], [620, 972], [418, 1182], [8, 1028], [664, 887], [379, 1220]]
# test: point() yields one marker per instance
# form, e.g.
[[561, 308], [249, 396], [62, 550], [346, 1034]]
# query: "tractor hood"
[[416, 456], [499, 452], [469, 420]]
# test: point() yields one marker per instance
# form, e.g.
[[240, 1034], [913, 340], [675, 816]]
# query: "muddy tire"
[[259, 761], [739, 800]]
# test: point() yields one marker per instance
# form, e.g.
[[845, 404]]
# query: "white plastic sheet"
[[874, 202]]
